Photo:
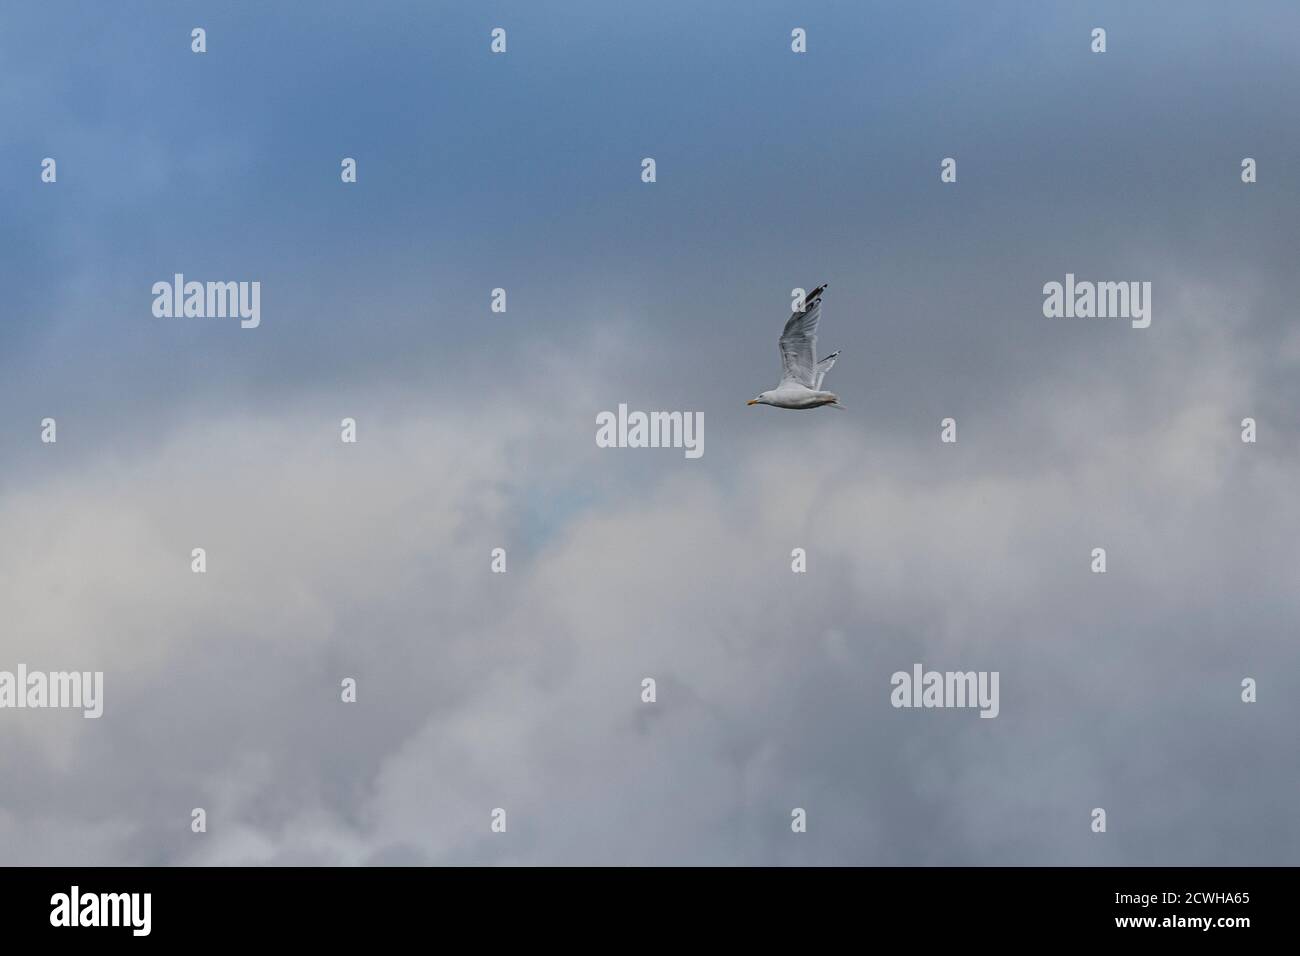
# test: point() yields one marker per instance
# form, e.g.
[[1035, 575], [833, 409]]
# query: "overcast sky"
[[476, 431]]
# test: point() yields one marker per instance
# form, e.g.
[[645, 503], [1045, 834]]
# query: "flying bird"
[[801, 373]]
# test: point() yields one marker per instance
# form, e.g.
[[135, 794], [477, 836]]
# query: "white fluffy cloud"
[[522, 690]]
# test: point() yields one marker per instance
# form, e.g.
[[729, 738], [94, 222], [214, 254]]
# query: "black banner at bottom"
[[301, 905]]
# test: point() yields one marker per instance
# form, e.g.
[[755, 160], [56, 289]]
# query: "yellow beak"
[[752, 401]]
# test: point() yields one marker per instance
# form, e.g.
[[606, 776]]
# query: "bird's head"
[[761, 399]]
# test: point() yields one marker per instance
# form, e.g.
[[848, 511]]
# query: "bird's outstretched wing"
[[821, 368], [799, 342]]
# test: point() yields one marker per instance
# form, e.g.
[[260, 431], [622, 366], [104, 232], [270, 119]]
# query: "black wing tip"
[[810, 299]]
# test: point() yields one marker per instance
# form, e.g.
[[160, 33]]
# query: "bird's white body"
[[796, 396], [802, 372]]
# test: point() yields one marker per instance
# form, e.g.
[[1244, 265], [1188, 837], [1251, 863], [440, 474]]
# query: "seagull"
[[801, 373]]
